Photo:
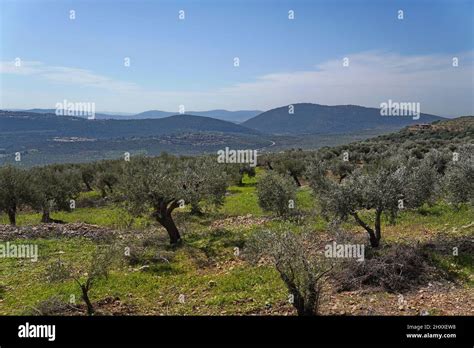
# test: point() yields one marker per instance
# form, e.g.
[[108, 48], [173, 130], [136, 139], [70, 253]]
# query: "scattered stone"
[[244, 221]]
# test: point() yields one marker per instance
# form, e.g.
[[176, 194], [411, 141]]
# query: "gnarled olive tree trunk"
[[162, 214], [12, 215], [47, 219], [374, 234]]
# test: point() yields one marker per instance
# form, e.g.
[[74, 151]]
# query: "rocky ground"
[[437, 297]]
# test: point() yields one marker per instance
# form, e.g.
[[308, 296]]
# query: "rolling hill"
[[225, 115], [322, 119], [52, 125], [232, 116], [99, 115], [47, 138]]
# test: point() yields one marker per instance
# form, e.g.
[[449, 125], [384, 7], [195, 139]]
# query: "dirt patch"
[[241, 221], [434, 299]]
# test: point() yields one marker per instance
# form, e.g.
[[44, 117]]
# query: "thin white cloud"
[[370, 79], [66, 75]]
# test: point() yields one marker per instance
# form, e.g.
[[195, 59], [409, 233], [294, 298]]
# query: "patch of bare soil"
[[114, 306], [434, 299], [241, 221]]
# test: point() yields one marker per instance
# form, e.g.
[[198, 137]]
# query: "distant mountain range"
[[232, 116], [306, 118], [45, 137], [51, 125], [323, 119]]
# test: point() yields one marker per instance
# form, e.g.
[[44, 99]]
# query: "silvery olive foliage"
[[274, 192], [52, 188], [439, 159], [96, 269], [88, 173], [298, 260], [423, 180], [235, 172], [459, 178], [378, 188], [202, 179], [160, 185], [340, 169], [105, 182], [13, 190], [292, 163], [99, 268]]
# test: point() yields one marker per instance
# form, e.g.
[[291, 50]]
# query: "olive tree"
[[235, 172], [300, 265], [14, 190], [88, 172], [106, 181], [52, 188], [291, 163], [422, 181], [203, 180], [341, 169], [459, 177], [246, 169], [384, 187], [161, 186], [439, 160], [97, 269], [275, 193]]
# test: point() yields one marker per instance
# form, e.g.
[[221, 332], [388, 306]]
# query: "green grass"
[[25, 282], [205, 270], [150, 290], [89, 195], [421, 223], [460, 267], [108, 216], [304, 199], [243, 200]]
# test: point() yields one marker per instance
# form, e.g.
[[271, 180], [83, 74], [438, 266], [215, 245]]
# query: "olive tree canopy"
[[159, 186]]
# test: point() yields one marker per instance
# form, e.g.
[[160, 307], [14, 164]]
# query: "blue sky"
[[190, 62]]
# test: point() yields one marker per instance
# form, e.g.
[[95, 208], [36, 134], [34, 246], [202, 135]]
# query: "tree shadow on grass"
[[213, 243]]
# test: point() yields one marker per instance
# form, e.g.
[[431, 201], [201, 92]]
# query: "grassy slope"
[[205, 270]]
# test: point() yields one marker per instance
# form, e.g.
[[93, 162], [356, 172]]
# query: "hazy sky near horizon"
[[282, 61]]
